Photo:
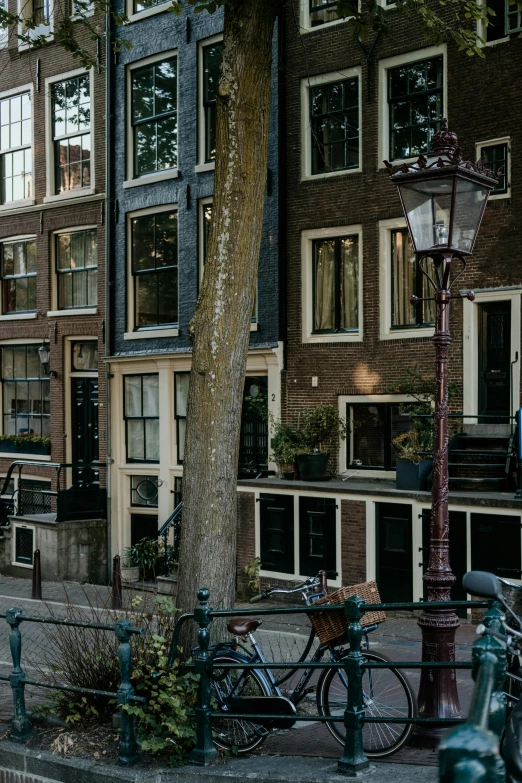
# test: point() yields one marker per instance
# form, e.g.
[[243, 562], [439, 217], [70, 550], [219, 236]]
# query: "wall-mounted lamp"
[[44, 353]]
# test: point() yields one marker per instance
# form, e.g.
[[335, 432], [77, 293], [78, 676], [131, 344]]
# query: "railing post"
[[36, 588], [116, 592], [128, 747], [470, 753], [21, 728], [354, 758], [204, 753]]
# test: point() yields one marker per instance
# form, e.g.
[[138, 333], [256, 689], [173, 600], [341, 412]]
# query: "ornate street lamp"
[[443, 199]]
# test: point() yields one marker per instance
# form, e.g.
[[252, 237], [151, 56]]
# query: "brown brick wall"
[[375, 366], [246, 531], [353, 541]]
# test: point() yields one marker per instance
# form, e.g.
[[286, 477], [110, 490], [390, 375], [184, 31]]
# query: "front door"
[[84, 399], [494, 388], [394, 552]]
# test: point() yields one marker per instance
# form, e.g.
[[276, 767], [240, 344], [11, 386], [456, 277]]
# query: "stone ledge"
[[44, 767]]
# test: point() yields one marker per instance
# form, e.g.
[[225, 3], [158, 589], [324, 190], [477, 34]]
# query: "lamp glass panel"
[[428, 210], [469, 204]]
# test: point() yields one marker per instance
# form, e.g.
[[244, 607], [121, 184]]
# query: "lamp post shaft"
[[438, 697]]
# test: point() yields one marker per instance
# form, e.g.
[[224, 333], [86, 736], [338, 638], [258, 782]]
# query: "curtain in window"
[[404, 269], [324, 305], [349, 283]]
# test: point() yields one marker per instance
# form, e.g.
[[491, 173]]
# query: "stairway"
[[478, 459]]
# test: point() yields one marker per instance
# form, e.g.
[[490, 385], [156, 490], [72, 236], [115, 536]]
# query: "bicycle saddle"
[[240, 626]]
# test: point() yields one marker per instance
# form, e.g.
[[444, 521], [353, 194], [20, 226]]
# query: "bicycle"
[[386, 692]]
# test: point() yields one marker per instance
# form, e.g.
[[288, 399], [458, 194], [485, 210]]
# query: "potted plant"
[[142, 556], [25, 444], [319, 426], [285, 443], [130, 571]]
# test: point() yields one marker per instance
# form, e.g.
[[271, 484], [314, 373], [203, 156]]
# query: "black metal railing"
[[174, 522]]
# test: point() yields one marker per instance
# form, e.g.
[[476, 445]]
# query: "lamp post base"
[[438, 695]]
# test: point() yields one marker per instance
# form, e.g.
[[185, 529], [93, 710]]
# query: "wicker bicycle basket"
[[331, 625]]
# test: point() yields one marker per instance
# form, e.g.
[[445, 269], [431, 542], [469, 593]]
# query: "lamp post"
[[443, 199]]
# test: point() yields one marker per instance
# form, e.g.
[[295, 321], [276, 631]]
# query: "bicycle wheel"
[[236, 734], [387, 693]]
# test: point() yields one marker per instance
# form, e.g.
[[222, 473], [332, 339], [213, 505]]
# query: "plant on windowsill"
[[319, 427], [25, 444], [285, 442], [146, 560]]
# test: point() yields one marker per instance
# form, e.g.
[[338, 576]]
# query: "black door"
[[494, 359], [84, 396], [277, 533], [253, 441], [317, 549], [394, 552], [457, 552], [495, 544]]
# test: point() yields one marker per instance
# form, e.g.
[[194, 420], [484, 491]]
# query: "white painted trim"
[[202, 165], [130, 333], [16, 525], [51, 195], [392, 62], [23, 88], [25, 11], [24, 341], [140, 15], [132, 181], [304, 19], [371, 538], [150, 334], [492, 143], [12, 205], [54, 312], [353, 399], [73, 311], [386, 332], [19, 316], [28, 314], [470, 347], [201, 235], [37, 457], [307, 237], [306, 133]]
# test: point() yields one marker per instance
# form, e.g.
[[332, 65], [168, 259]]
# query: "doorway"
[[85, 451], [394, 552], [494, 361]]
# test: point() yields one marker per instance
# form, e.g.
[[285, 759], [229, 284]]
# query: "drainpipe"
[[109, 204]]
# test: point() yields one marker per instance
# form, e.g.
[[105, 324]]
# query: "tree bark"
[[221, 323]]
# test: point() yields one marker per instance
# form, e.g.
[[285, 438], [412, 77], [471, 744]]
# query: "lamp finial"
[[445, 142]]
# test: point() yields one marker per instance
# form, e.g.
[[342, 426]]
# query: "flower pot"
[[130, 574], [10, 447], [411, 475], [287, 471], [312, 467]]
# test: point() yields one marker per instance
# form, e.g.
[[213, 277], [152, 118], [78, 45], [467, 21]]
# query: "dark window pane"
[[146, 300], [145, 149], [368, 433], [154, 105], [143, 243], [168, 297], [334, 123]]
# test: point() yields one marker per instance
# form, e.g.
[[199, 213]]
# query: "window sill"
[[306, 30], [150, 179], [73, 312], [18, 316], [332, 338], [34, 457], [150, 335], [499, 196], [69, 195], [498, 41], [21, 565], [24, 202], [254, 327], [139, 15], [328, 174], [407, 334], [201, 167]]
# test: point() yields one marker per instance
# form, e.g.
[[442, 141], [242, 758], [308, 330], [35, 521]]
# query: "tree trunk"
[[221, 323]]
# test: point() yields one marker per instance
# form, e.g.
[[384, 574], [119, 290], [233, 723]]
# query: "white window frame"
[[4, 32], [492, 143], [137, 16], [470, 346], [201, 164], [15, 316], [304, 19], [307, 305], [384, 115], [132, 181], [482, 30], [25, 11], [385, 287], [26, 202], [364, 399], [306, 131], [151, 332], [77, 311], [14, 561], [337, 582], [50, 174]]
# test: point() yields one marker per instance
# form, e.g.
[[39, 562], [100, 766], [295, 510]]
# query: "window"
[[141, 411], [84, 356], [154, 241], [4, 32], [495, 30], [77, 269], [322, 12], [496, 156], [144, 5], [18, 276], [15, 148], [407, 279], [144, 491], [25, 391], [336, 284], [181, 381], [210, 64], [372, 427], [334, 126], [37, 18], [71, 129], [24, 545], [513, 18], [415, 104], [154, 117]]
